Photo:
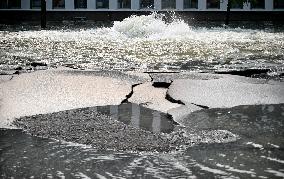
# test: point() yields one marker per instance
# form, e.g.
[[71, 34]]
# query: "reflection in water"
[[156, 125], [140, 117], [135, 117]]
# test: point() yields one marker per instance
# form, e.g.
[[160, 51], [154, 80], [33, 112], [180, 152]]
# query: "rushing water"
[[145, 43]]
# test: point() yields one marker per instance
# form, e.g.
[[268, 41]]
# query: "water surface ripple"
[[145, 43], [257, 154]]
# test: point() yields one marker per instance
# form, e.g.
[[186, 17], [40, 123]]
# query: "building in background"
[[111, 5], [118, 9]]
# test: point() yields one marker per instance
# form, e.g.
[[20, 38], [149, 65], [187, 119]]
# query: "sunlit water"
[[145, 43], [148, 43], [258, 153]]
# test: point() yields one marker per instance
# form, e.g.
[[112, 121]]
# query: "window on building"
[[189, 4], [278, 4], [80, 4], [124, 4], [58, 4], [168, 4], [235, 4], [102, 4], [257, 4], [35, 4], [146, 4], [10, 4], [213, 4]]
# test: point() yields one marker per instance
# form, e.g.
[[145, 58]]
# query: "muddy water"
[[257, 153]]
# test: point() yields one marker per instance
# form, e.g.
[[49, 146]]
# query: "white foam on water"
[[255, 145], [132, 165], [100, 176], [151, 27], [276, 173], [82, 175], [60, 175], [102, 158], [273, 159], [212, 170], [114, 176], [140, 42], [232, 169], [273, 145], [180, 166]]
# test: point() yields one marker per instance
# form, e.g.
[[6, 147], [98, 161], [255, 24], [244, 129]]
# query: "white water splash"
[[142, 43], [151, 26]]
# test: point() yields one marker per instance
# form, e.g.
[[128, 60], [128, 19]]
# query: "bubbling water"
[[145, 42], [151, 26]]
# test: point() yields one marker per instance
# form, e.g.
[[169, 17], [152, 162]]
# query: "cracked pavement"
[[177, 94]]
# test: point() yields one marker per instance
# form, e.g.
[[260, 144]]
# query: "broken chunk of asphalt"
[[130, 94], [246, 72]]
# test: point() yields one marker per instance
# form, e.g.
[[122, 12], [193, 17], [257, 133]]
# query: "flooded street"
[[258, 153], [141, 98]]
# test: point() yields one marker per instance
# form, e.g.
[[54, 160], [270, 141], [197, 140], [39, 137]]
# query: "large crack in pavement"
[[129, 95], [87, 126], [202, 106], [164, 84]]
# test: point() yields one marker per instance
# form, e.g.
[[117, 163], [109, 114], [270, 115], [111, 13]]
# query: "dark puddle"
[[139, 116]]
